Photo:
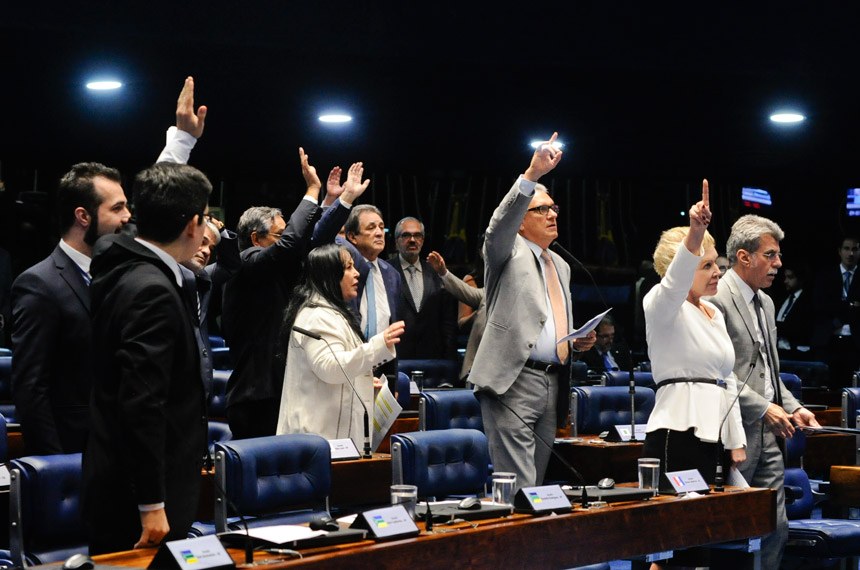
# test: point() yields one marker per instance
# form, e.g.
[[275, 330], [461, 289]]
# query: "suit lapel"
[[742, 309], [71, 274]]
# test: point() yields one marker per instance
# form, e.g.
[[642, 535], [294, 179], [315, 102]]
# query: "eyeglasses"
[[544, 210], [771, 255], [409, 235]]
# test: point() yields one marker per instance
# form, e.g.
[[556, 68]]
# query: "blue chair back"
[[5, 352], [45, 509], [578, 373], [812, 373], [279, 479], [216, 341], [597, 408], [221, 359], [445, 409], [622, 378], [850, 406], [437, 372], [219, 432], [793, 383], [801, 507], [404, 394], [442, 462], [218, 394]]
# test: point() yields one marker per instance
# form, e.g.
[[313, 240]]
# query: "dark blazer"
[[620, 353], [51, 370], [797, 327], [432, 331], [831, 311], [255, 300], [148, 421]]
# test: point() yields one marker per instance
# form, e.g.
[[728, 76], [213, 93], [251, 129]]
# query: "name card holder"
[[541, 500], [386, 523], [343, 449], [202, 553], [622, 433], [687, 481]]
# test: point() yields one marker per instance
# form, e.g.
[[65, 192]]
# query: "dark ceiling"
[[642, 91]]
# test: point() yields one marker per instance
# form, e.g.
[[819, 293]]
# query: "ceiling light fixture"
[[335, 118], [103, 85], [787, 118]]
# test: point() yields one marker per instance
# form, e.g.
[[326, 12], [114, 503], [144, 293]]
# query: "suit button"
[[543, 321], [531, 345], [761, 375], [205, 353]]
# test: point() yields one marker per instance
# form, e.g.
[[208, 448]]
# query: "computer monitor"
[[852, 202]]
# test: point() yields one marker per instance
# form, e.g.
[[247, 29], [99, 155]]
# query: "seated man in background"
[[795, 317], [608, 353]]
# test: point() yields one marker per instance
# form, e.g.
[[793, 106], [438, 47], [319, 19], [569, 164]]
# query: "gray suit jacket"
[[515, 296], [742, 332], [474, 297]]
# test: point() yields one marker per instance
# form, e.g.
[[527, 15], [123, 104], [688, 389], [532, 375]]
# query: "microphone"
[[317, 336], [632, 398], [718, 475], [557, 455], [249, 542]]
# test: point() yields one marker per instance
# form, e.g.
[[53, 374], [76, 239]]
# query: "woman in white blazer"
[[316, 397]]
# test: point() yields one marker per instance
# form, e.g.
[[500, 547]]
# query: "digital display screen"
[[852, 202], [755, 198]]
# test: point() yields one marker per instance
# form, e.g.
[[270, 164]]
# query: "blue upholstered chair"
[[218, 395], [441, 463], [594, 409], [45, 523], [810, 537], [793, 383], [622, 378], [5, 352], [578, 373], [850, 406], [444, 409], [437, 372], [219, 432], [7, 408], [4, 442], [404, 393], [812, 373], [217, 341], [280, 479], [221, 359]]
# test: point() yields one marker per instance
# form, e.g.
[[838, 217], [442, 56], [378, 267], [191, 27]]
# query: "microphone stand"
[[632, 399], [718, 474], [316, 336]]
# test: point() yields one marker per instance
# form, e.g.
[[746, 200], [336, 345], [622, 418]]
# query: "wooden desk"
[[596, 459], [826, 449], [845, 486], [581, 537]]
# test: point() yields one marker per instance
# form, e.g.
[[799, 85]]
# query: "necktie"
[[370, 325], [609, 362], [87, 278], [770, 361], [556, 301], [787, 309], [846, 284], [415, 287]]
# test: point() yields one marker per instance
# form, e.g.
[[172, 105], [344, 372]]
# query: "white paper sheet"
[[385, 411], [587, 327]]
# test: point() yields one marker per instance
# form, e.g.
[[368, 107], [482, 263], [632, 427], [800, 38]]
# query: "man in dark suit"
[[768, 410], [378, 282], [795, 316], [836, 336], [52, 338], [607, 353], [143, 458], [427, 309], [255, 298]]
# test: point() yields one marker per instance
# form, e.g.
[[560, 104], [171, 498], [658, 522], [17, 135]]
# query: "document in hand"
[[586, 328], [385, 411]]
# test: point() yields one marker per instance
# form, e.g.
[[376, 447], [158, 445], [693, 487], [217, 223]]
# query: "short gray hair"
[[398, 229], [746, 234], [352, 226], [255, 219]]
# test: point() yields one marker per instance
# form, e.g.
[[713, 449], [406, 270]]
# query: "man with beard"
[[51, 330]]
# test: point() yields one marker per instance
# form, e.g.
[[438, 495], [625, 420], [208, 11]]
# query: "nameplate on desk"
[[687, 481], [622, 433], [541, 500], [386, 523], [205, 552], [5, 479], [342, 449]]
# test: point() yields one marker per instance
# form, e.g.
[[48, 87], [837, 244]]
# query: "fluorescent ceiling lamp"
[[557, 144], [787, 117], [103, 85], [335, 118]]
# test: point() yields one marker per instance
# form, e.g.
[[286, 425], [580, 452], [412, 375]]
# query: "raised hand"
[[310, 175], [392, 334], [700, 217], [333, 189], [186, 119], [354, 187], [437, 262], [545, 158]]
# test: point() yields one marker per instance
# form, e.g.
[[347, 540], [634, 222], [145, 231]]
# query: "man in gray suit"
[[767, 407], [518, 368]]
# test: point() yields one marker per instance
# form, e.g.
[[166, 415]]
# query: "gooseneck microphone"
[[632, 391], [718, 475], [317, 336], [577, 475]]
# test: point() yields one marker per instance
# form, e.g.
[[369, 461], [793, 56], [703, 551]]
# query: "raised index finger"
[[706, 193]]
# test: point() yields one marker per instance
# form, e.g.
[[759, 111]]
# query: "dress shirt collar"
[[845, 270], [81, 260], [746, 291], [405, 264], [536, 249], [165, 257]]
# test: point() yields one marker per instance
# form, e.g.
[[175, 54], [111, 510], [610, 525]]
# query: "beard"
[[92, 233]]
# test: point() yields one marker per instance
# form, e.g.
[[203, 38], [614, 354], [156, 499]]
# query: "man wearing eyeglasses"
[[520, 370], [768, 410], [429, 312]]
